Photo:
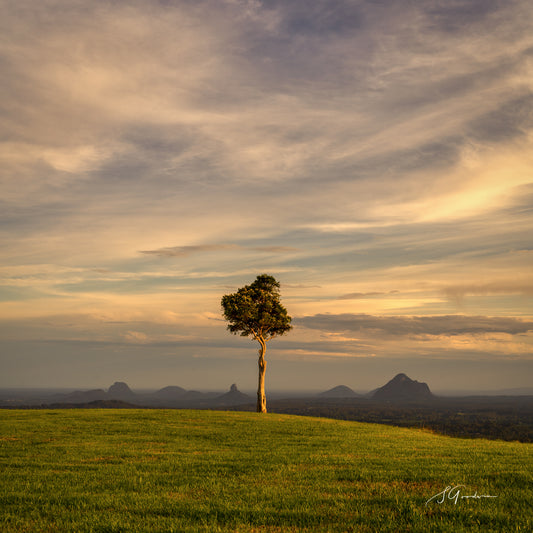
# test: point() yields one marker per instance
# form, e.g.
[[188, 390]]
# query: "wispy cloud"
[[460, 292], [184, 251], [400, 326], [364, 295]]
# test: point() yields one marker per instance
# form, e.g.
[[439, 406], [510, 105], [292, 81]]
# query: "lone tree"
[[255, 311]]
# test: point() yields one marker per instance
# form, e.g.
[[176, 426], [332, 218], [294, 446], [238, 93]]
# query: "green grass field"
[[177, 470]]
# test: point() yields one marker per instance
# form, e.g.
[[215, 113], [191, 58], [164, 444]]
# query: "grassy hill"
[[177, 470]]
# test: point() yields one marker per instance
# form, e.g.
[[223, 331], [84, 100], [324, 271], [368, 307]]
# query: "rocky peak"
[[120, 390], [403, 388]]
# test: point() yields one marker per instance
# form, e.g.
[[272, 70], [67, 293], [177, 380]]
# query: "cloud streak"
[[185, 251], [460, 292], [448, 325], [364, 295]]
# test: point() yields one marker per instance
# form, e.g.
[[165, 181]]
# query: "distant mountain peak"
[[340, 391], [233, 397], [402, 388], [120, 390], [119, 385], [169, 393], [400, 377]]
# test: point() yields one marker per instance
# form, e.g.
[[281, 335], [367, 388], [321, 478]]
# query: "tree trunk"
[[261, 397]]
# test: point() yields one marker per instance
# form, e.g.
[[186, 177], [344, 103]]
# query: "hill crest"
[[340, 391]]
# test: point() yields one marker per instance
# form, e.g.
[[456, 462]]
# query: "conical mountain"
[[403, 388], [120, 391], [233, 397], [172, 392], [340, 391]]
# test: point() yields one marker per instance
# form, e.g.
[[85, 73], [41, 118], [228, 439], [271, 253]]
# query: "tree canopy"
[[256, 311]]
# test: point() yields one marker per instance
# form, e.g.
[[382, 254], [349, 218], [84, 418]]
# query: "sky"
[[376, 157]]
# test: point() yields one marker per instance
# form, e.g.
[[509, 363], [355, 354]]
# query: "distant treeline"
[[505, 418]]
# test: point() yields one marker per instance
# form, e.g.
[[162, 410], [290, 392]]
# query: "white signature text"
[[454, 493]]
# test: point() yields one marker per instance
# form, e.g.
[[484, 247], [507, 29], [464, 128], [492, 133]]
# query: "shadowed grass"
[[164, 470]]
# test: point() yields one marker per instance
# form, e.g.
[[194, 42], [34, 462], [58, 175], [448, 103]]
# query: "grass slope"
[[175, 470]]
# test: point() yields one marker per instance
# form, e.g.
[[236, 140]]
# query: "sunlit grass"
[[164, 470]]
